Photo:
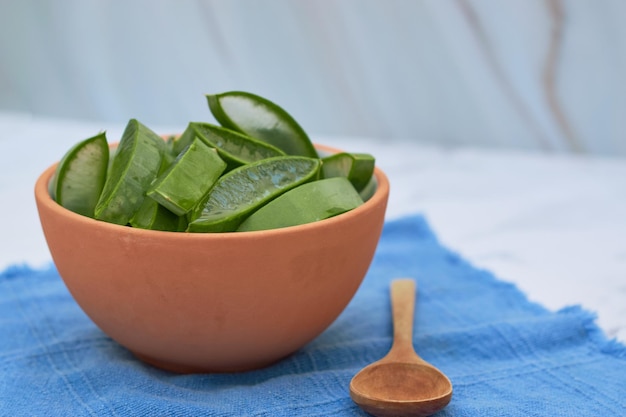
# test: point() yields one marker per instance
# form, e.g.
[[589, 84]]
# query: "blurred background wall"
[[546, 75]]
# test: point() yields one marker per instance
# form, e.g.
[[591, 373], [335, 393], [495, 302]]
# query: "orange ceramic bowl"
[[223, 302]]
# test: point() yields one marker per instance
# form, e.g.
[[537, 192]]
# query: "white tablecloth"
[[553, 225]]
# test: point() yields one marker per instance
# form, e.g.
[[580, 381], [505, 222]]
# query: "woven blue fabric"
[[504, 355]]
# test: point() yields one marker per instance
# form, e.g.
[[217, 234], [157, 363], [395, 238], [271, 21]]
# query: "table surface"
[[554, 225]]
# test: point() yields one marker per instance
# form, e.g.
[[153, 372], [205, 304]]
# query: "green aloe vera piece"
[[181, 187], [370, 189], [233, 147], [243, 190], [307, 203], [80, 175], [261, 119], [357, 167], [153, 216], [137, 163]]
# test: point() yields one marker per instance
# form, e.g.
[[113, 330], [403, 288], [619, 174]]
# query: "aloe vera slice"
[[153, 216], [234, 148], [243, 190], [369, 190], [261, 119], [136, 164], [307, 203], [81, 174], [357, 167], [181, 187]]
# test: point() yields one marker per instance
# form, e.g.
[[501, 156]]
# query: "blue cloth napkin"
[[505, 355]]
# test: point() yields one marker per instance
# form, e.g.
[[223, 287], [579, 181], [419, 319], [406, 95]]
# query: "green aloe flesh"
[[136, 164], [181, 187], [306, 203], [262, 119], [80, 175], [245, 189], [153, 216], [370, 188], [357, 167], [233, 147]]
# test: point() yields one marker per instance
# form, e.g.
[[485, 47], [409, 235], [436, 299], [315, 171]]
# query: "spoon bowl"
[[401, 384]]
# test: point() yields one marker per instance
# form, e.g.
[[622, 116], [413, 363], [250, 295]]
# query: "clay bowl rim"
[[380, 196]]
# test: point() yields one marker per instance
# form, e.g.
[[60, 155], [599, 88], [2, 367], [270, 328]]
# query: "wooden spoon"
[[401, 384]]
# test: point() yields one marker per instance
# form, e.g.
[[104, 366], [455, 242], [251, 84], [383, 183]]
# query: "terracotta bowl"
[[193, 302]]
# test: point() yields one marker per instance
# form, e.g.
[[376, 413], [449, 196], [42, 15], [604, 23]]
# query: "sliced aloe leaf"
[[233, 147], [137, 163], [369, 190], [357, 167], [81, 174], [243, 190], [153, 216], [307, 203], [181, 187], [261, 119]]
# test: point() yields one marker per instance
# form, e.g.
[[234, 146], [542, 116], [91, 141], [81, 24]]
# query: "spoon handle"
[[402, 309]]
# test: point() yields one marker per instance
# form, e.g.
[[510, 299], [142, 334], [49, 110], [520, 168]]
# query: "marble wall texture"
[[546, 75]]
